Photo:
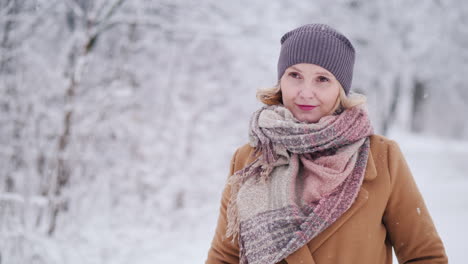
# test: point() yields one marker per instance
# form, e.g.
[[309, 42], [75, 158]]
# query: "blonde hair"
[[273, 96]]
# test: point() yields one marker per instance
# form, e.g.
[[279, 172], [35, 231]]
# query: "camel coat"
[[388, 212]]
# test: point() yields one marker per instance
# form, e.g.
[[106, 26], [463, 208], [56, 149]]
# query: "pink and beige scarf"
[[306, 176]]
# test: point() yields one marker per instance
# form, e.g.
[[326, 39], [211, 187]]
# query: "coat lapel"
[[304, 254], [301, 256]]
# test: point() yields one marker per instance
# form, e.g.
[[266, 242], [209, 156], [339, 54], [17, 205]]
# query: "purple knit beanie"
[[321, 45]]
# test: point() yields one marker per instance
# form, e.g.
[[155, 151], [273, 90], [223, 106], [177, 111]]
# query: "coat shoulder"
[[376, 138], [245, 150], [386, 156], [381, 144], [243, 156]]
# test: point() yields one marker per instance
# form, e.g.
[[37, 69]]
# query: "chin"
[[311, 121], [307, 119]]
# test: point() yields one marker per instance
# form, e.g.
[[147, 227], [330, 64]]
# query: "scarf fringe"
[[262, 168]]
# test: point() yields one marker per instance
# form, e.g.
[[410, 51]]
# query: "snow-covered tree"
[[116, 113]]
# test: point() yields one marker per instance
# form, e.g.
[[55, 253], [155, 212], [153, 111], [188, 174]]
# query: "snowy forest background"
[[118, 118]]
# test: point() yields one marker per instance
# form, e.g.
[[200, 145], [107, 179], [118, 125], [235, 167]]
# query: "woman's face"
[[309, 91]]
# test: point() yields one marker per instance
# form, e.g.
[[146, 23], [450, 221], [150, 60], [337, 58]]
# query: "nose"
[[307, 91]]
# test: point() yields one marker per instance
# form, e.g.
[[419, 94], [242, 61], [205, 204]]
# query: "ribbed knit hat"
[[321, 45]]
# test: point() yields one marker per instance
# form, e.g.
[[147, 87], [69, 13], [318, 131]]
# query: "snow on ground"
[[439, 166]]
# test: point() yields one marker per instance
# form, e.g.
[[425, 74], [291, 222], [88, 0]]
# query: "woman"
[[315, 185]]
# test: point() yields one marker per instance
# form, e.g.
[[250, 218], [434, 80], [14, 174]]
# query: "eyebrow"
[[292, 67], [324, 73], [318, 73]]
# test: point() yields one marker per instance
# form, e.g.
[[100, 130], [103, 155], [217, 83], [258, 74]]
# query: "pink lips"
[[306, 107]]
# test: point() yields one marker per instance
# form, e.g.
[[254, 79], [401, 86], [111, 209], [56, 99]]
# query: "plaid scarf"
[[305, 176]]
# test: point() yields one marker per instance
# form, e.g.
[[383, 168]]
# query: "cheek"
[[332, 95], [288, 97], [287, 92]]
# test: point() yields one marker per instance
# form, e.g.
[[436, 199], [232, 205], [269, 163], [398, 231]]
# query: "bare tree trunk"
[[64, 170], [389, 118], [6, 69], [63, 167], [5, 44], [419, 95]]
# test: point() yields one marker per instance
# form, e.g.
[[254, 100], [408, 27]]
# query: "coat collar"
[[371, 171], [304, 254]]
